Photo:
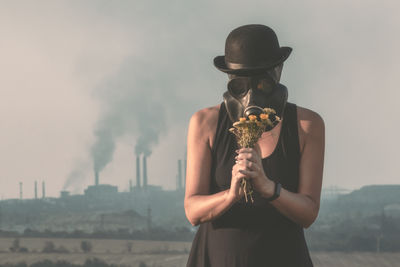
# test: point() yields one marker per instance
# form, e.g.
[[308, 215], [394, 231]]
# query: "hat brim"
[[219, 63]]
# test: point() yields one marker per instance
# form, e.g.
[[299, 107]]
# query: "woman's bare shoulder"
[[208, 111], [309, 119], [310, 125], [204, 122], [206, 116]]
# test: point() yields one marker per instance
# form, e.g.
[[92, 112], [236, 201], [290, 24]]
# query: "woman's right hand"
[[236, 191]]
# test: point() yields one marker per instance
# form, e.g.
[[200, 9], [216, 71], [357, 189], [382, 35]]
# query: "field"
[[153, 253], [160, 253]]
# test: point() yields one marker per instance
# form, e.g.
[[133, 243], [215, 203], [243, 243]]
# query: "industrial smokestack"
[[130, 186], [138, 171], [96, 177], [20, 190], [144, 173], [43, 190], [35, 189], [148, 219], [179, 178]]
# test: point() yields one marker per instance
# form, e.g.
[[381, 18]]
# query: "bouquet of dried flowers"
[[247, 133]]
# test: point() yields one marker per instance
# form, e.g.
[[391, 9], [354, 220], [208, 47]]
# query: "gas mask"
[[250, 94]]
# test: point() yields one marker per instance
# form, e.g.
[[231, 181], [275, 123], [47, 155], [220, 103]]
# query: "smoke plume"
[[76, 176], [132, 108]]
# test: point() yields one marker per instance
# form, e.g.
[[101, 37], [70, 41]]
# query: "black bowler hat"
[[251, 49]]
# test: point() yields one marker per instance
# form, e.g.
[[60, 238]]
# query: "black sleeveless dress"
[[253, 235]]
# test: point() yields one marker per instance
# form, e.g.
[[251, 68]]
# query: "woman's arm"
[[301, 207], [200, 206]]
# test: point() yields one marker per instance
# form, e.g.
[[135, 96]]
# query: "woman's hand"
[[236, 191], [250, 165]]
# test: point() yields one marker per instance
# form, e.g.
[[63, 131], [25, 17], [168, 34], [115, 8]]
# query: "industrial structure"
[[101, 207]]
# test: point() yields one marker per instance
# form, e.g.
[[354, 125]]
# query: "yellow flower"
[[252, 117], [242, 119], [269, 110], [264, 116]]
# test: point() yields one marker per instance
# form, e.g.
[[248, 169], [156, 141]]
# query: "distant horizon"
[[324, 188]]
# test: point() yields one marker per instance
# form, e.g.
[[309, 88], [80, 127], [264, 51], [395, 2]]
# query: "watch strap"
[[277, 192]]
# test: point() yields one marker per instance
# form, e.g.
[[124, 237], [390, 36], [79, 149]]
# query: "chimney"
[[35, 189], [43, 190], [179, 178], [137, 171], [20, 190], [130, 186], [144, 172], [96, 177], [148, 219]]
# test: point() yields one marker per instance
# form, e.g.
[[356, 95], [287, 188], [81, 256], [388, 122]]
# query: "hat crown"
[[251, 49], [252, 44]]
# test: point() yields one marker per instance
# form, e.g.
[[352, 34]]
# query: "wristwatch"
[[277, 192]]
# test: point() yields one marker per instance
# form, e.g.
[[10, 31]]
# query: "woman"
[[285, 167]]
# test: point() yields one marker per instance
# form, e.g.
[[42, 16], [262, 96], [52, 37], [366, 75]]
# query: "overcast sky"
[[80, 79]]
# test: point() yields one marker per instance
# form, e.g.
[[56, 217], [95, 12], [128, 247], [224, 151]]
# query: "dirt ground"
[[162, 253]]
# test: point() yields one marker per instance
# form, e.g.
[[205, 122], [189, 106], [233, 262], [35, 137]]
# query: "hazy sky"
[[82, 77]]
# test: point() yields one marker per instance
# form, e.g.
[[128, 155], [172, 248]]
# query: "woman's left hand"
[[250, 160]]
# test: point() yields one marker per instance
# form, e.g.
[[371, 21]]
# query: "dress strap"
[[217, 134]]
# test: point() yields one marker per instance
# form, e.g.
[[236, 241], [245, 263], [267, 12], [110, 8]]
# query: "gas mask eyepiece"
[[239, 86]]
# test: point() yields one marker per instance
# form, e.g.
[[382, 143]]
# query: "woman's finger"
[[243, 156], [240, 175], [248, 174], [257, 148], [253, 154], [236, 174], [245, 150], [251, 165]]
